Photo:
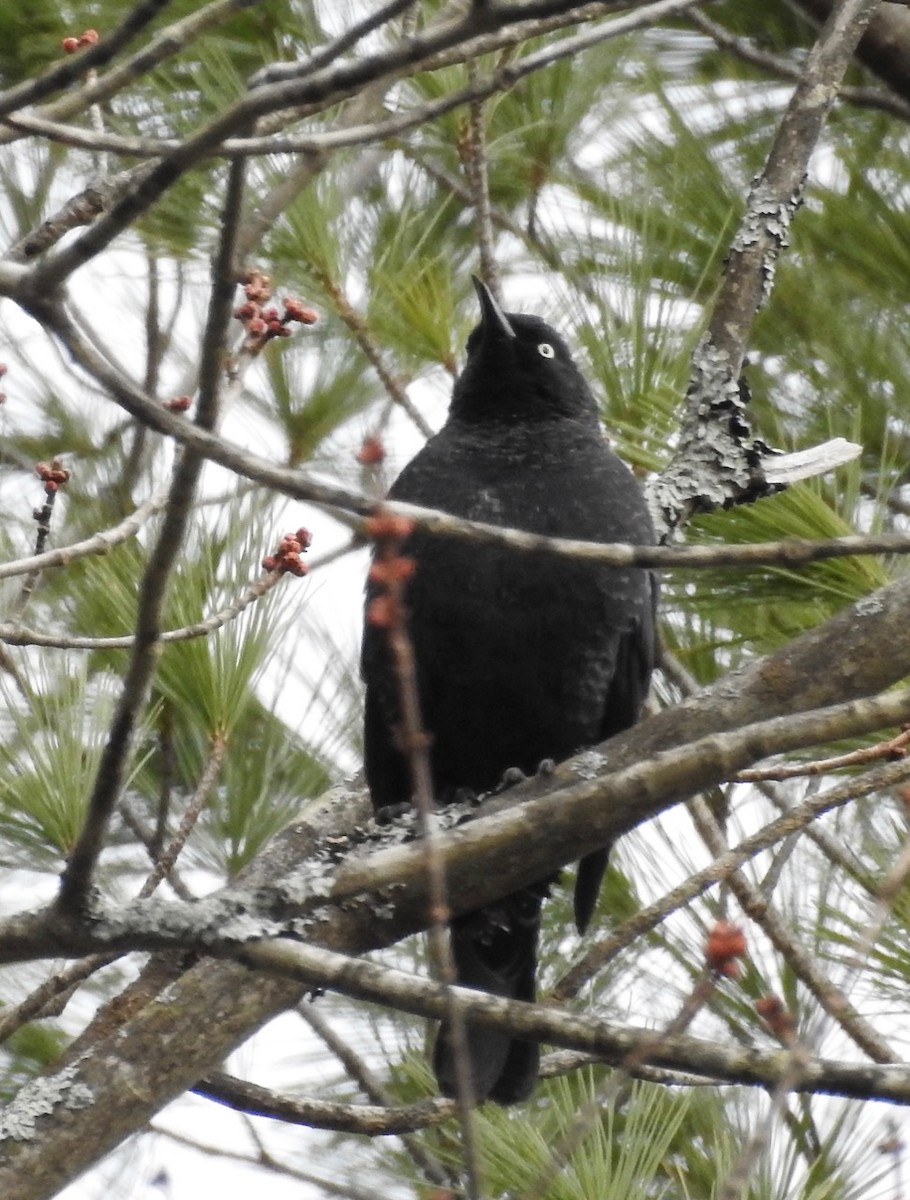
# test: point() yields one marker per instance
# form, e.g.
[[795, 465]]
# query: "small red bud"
[[70, 45], [387, 525], [778, 1017], [304, 537], [294, 310], [725, 943], [270, 562], [256, 326], [178, 403], [89, 38], [391, 570], [50, 487], [381, 612], [371, 452]]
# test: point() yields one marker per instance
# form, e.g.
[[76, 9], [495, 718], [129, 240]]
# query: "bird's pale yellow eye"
[[546, 350]]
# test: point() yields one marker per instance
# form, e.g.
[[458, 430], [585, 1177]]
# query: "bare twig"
[[43, 517], [435, 1110], [345, 1190], [66, 72], [98, 543], [76, 878], [370, 1120], [17, 635], [390, 571], [793, 821], [474, 156], [757, 906], [207, 780], [895, 747], [393, 384], [164, 44], [786, 68]]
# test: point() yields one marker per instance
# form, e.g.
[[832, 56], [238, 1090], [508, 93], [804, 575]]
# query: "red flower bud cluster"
[[777, 1016], [261, 323], [390, 570], [371, 452], [71, 44], [286, 558], [178, 403], [726, 943], [53, 474]]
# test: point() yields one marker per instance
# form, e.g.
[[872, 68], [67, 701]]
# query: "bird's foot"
[[510, 777], [391, 812]]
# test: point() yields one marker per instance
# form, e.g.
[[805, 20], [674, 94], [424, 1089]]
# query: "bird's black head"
[[518, 370]]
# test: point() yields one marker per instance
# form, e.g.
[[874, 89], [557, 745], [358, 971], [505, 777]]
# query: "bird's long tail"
[[495, 950]]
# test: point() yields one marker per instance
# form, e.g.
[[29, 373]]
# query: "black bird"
[[520, 657]]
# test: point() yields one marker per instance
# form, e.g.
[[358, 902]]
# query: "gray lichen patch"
[[39, 1098], [589, 764]]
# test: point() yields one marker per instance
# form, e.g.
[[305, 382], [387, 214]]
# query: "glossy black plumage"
[[521, 657]]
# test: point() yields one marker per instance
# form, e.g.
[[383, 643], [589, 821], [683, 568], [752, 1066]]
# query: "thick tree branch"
[[586, 803], [716, 460], [159, 1053]]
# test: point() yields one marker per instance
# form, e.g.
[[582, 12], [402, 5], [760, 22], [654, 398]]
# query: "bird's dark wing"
[[636, 657]]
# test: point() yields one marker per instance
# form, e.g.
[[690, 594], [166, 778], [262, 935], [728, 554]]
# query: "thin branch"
[[164, 44], [895, 747], [328, 86], [778, 190], [331, 51], [17, 635], [63, 74], [474, 156], [379, 1096], [394, 386], [366, 980], [78, 210], [389, 572], [331, 1187], [76, 878], [50, 997], [757, 906], [99, 543], [369, 1120], [294, 483], [794, 820], [748, 51], [43, 517], [200, 798], [151, 840]]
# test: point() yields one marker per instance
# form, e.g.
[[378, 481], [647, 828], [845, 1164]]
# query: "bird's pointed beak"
[[492, 318]]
